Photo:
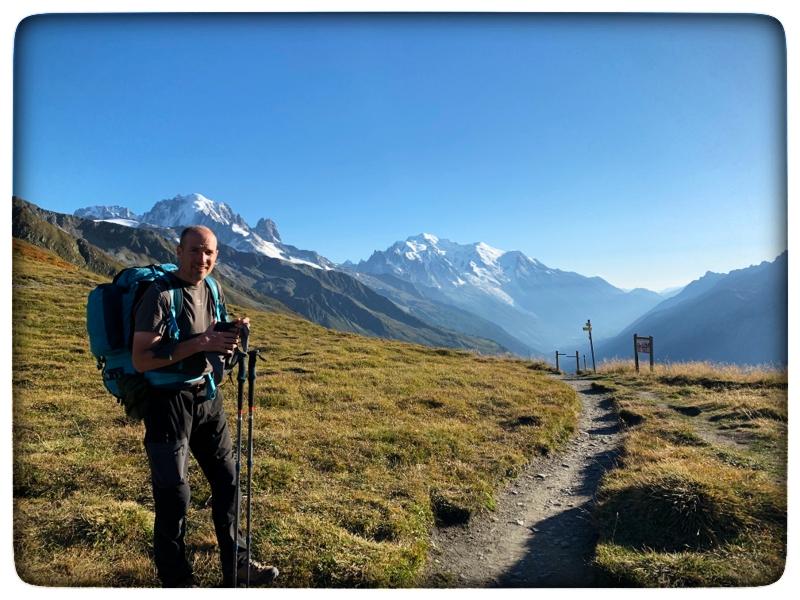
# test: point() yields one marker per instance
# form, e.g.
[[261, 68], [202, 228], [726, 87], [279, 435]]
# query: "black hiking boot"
[[260, 574], [183, 582]]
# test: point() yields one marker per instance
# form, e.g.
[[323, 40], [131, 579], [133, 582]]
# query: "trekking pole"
[[251, 379], [239, 402]]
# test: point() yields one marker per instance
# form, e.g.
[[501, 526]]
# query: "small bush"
[[670, 513]]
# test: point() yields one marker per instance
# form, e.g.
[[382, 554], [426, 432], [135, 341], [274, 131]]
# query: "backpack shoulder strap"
[[220, 312], [167, 283], [175, 308]]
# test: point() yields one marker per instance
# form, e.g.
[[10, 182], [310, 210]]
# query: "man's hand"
[[244, 332], [223, 342]]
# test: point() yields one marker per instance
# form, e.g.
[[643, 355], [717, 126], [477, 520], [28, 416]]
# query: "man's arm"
[[145, 343]]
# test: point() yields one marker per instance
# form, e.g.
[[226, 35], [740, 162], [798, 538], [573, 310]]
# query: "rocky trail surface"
[[540, 534]]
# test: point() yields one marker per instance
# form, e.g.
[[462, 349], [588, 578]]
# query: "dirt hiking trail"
[[540, 534]]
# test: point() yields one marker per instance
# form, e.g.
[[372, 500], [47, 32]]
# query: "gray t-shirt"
[[152, 315]]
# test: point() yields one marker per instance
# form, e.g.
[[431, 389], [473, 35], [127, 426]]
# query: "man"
[[192, 418]]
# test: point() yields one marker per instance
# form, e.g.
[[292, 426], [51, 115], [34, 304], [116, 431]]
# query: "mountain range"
[[324, 296], [545, 308], [229, 227], [739, 317], [426, 289], [474, 289]]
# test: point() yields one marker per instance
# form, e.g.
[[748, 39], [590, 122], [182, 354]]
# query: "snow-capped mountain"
[[107, 213], [542, 307], [229, 227], [444, 265], [268, 231]]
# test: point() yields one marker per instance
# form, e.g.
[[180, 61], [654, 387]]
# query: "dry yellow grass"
[[361, 444], [699, 496], [697, 370]]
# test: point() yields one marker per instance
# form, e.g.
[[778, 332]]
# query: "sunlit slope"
[[699, 495], [360, 444]]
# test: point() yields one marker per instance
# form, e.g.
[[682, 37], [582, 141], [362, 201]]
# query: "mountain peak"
[[421, 240], [105, 212], [488, 254], [229, 227], [193, 197], [190, 209], [268, 230], [429, 237]]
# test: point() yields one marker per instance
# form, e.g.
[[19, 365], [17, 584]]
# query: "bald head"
[[198, 230], [197, 253]]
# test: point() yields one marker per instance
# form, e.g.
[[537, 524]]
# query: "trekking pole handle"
[[244, 336], [240, 379], [251, 364], [240, 356]]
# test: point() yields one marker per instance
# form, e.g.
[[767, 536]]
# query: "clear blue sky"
[[646, 150]]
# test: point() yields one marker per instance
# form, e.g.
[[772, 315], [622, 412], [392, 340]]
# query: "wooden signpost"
[[588, 327], [642, 344], [577, 361], [557, 355]]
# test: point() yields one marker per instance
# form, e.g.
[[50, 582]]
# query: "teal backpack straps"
[[175, 308], [165, 378], [211, 386], [220, 313]]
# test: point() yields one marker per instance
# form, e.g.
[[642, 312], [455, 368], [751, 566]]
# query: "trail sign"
[[588, 327], [642, 344]]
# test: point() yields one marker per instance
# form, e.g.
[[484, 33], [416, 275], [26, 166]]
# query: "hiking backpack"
[[109, 321]]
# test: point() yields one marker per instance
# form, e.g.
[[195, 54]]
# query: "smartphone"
[[225, 326]]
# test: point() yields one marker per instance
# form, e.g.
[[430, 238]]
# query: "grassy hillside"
[[361, 445], [699, 498]]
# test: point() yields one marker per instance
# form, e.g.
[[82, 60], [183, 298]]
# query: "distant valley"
[[739, 317]]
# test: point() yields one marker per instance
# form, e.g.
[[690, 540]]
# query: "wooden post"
[[584, 362], [591, 344], [557, 369], [635, 353], [577, 363], [652, 352]]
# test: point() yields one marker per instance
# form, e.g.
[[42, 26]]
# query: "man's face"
[[196, 256]]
